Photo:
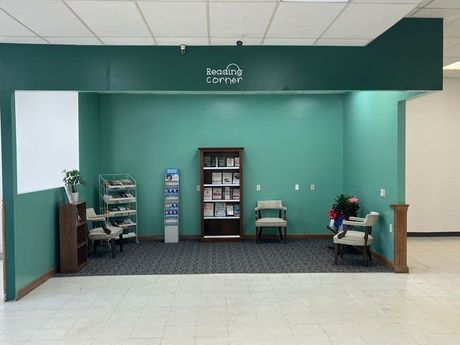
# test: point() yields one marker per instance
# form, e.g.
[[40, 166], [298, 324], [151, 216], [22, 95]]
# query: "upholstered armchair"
[[356, 238], [279, 222]]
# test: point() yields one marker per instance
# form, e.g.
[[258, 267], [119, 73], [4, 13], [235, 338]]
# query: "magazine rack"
[[221, 191], [118, 202], [171, 209]]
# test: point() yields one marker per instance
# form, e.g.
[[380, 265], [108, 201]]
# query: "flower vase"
[[74, 197]]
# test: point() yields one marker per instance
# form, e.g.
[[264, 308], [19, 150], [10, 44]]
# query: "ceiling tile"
[[273, 41], [10, 27], [177, 41], [423, 3], [111, 18], [175, 19], [46, 17], [227, 41], [234, 19], [303, 20], [342, 42], [367, 20], [128, 41], [444, 4], [449, 15], [89, 40], [415, 2], [28, 40]]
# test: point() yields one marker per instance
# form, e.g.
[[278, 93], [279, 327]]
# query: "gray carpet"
[[189, 257]]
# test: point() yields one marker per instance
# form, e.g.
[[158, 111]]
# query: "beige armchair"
[[103, 233], [279, 222], [350, 237]]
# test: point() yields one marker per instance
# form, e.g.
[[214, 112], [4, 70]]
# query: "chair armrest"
[[352, 223], [357, 219]]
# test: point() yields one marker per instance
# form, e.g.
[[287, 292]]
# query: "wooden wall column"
[[400, 241]]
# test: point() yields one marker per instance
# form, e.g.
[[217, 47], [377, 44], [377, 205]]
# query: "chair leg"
[[365, 255], [112, 244], [342, 249], [95, 246], [285, 235], [260, 233], [281, 234], [368, 249], [257, 234], [336, 253], [121, 243]]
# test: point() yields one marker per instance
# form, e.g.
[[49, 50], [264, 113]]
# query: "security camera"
[[239, 43], [183, 47]]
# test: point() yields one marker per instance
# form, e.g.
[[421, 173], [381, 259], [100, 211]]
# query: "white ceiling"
[[203, 22], [450, 11]]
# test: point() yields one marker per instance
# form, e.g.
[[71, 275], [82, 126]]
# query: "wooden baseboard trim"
[[34, 284], [162, 238], [384, 260], [249, 237], [434, 234]]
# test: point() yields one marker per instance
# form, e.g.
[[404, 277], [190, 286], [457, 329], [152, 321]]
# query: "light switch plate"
[[383, 193], [197, 187], [391, 227], [258, 187]]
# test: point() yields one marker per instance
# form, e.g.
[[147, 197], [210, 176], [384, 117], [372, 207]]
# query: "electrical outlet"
[[383, 193], [391, 227], [312, 187], [258, 187], [197, 187], [297, 187]]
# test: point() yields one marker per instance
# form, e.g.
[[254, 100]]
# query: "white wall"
[[433, 160], [46, 138]]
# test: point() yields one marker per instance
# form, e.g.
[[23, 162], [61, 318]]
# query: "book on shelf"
[[208, 209], [227, 193], [222, 162], [236, 210], [236, 178], [217, 193], [207, 161], [230, 162], [220, 210], [230, 210], [216, 178], [236, 194], [207, 193], [227, 177], [213, 162], [127, 182], [237, 161]]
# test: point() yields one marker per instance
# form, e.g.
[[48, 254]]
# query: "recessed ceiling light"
[[455, 65], [315, 0]]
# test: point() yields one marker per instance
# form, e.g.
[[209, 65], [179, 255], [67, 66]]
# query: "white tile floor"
[[422, 307]]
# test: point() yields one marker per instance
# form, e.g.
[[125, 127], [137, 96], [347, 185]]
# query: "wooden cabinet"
[[73, 237], [221, 191]]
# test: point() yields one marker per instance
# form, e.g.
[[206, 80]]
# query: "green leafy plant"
[[72, 179], [345, 205]]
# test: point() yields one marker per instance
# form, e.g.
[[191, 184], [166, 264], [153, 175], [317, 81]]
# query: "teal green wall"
[[288, 139], [90, 147], [374, 137]]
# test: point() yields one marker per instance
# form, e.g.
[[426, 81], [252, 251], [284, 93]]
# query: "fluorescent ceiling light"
[[315, 0], [452, 66]]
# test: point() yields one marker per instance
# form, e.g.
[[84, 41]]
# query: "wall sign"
[[232, 74]]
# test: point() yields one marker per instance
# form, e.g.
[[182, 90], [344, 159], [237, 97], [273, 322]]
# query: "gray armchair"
[[279, 222]]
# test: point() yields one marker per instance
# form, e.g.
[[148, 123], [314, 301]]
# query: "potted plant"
[[344, 207], [72, 179]]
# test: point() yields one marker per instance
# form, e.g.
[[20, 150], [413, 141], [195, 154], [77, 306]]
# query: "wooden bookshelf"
[[73, 237], [221, 226]]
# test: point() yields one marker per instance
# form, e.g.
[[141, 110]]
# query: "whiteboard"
[[46, 138]]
